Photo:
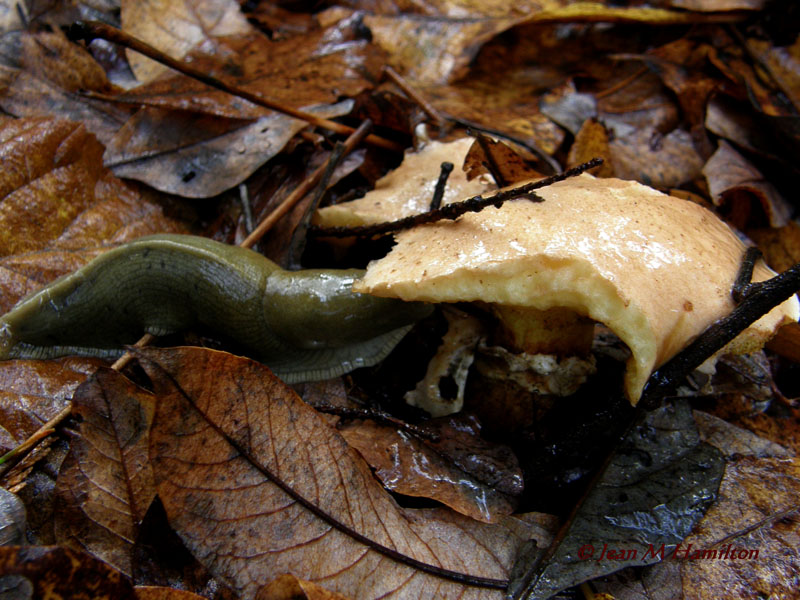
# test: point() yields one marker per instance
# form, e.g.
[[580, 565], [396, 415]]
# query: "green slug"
[[306, 325]]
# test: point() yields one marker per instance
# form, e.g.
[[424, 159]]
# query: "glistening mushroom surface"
[[655, 269]]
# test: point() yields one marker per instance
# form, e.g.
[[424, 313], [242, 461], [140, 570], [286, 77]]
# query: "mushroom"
[[656, 270]]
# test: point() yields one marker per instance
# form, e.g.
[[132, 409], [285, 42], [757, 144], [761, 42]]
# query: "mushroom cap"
[[655, 269], [408, 189]]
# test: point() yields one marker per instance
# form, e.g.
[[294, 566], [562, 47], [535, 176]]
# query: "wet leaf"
[[106, 484], [317, 68], [199, 156], [658, 484], [753, 526], [177, 27], [734, 181], [459, 470], [255, 482], [58, 205], [32, 392], [53, 572], [49, 81]]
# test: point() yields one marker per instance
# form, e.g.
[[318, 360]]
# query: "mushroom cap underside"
[[655, 269]]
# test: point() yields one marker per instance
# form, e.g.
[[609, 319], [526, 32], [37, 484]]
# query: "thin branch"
[[438, 193], [90, 30], [409, 91], [758, 300], [456, 209]]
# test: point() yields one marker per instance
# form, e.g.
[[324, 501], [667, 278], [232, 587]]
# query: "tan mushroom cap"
[[408, 190], [654, 269]]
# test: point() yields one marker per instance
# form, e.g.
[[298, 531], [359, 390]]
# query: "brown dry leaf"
[[432, 51], [59, 206], [148, 592], [510, 166], [32, 392], [781, 246], [53, 572], [289, 587], [199, 156], [177, 27], [461, 470], [319, 67], [733, 121], [592, 142], [735, 182], [783, 63], [105, 485], [256, 482], [46, 81]]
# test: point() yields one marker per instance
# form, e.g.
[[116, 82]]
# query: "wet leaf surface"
[[459, 469], [259, 459], [658, 484]]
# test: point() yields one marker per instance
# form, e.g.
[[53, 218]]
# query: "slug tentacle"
[[306, 325]]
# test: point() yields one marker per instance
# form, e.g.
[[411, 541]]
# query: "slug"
[[305, 325]]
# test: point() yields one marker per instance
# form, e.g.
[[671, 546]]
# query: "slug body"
[[305, 325]]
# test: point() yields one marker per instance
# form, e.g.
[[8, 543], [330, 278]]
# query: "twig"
[[380, 417], [438, 193], [90, 30], [456, 209], [758, 300], [34, 439], [305, 187], [426, 106]]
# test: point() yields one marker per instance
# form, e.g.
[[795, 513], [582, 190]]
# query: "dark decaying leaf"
[[658, 484], [53, 572], [749, 537], [148, 592], [106, 484], [256, 483], [289, 587], [460, 470]]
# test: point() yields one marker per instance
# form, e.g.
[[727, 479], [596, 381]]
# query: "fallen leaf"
[[320, 67], [591, 141], [460, 470], [49, 80], [500, 157], [435, 50], [717, 5], [255, 482], [58, 205], [197, 156], [749, 537], [783, 64], [289, 587], [105, 485], [734, 181], [781, 246], [12, 519], [177, 27], [658, 483], [32, 392], [53, 572]]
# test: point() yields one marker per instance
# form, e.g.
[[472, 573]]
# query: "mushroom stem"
[[757, 299]]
